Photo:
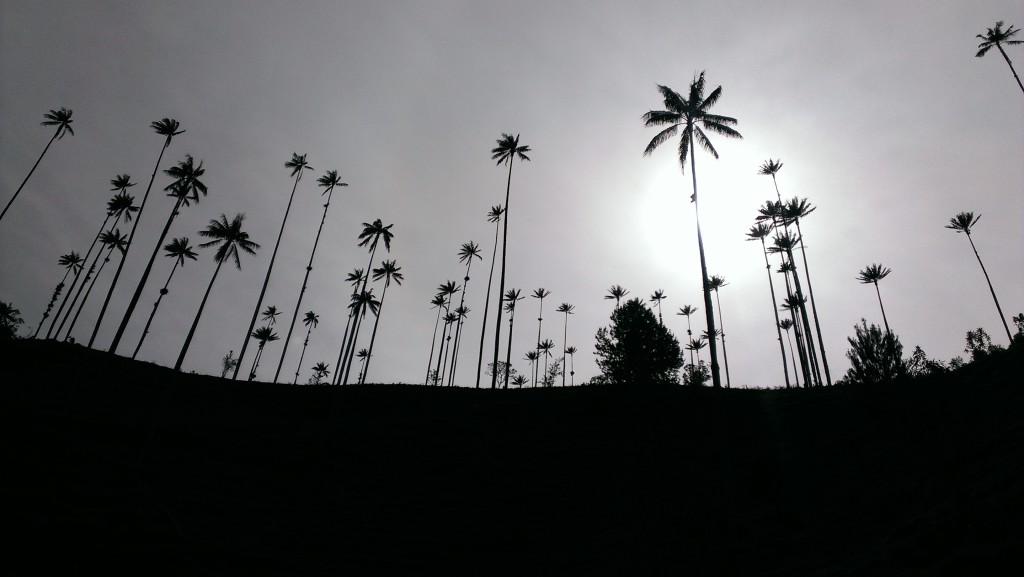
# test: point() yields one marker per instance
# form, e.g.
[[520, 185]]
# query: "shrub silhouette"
[[636, 349], [874, 356]]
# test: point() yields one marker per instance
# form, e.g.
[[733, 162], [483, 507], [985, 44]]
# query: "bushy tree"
[[504, 369], [875, 355], [919, 365], [696, 375], [10, 320], [636, 349], [979, 344]]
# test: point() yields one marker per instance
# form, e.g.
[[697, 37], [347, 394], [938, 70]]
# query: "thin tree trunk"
[[339, 368], [991, 290], [78, 275], [708, 309], [373, 335], [85, 298], [356, 320], [725, 353], [256, 362], [53, 299], [796, 374], [487, 305], [881, 306], [501, 284], [430, 358], [40, 159], [814, 307], [303, 355], [355, 336], [811, 358], [540, 321], [88, 276], [1005, 57], [775, 310], [565, 341], [458, 328], [156, 305], [508, 349], [195, 323], [440, 351]]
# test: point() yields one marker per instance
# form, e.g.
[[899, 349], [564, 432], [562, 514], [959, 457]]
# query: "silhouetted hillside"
[[119, 467]]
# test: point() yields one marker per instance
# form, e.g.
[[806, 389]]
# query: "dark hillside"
[[118, 467]]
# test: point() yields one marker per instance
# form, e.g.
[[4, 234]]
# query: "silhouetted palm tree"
[[686, 312], [297, 165], [467, 252], [270, 314], [72, 262], [533, 357], [540, 294], [871, 275], [62, 120], [718, 282], [693, 115], [786, 324], [320, 372], [545, 347], [656, 298], [364, 357], [794, 303], [571, 351], [186, 187], [495, 217], [695, 346], [362, 303], [963, 222], [264, 335], [229, 238], [794, 210], [111, 240], [310, 320], [179, 249], [437, 302], [168, 128], [508, 149], [512, 296], [449, 319], [518, 380], [784, 243], [390, 272], [759, 232], [616, 293], [329, 181], [355, 278], [371, 235], [771, 168], [567, 309], [997, 37]]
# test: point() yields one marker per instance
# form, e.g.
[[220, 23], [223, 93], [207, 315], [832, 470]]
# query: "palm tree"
[[297, 164], [168, 128], [270, 314], [10, 320], [694, 117], [783, 244], [794, 210], [361, 303], [997, 37], [518, 380], [437, 302], [310, 320], [532, 356], [364, 357], [571, 351], [771, 168], [657, 297], [72, 262], [186, 187], [512, 296], [467, 252], [794, 303], [963, 222], [495, 217], [320, 372], [230, 238], [540, 294], [111, 239], [264, 335], [686, 312], [545, 347], [329, 181], [371, 235], [695, 345], [567, 309], [759, 232], [355, 278], [390, 272], [718, 282], [508, 149], [446, 345], [786, 324], [62, 120], [871, 275], [617, 293], [179, 249]]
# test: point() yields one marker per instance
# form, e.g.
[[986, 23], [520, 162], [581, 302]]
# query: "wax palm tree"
[[329, 181], [311, 320], [571, 351], [168, 128], [354, 278], [794, 211], [963, 222], [793, 304], [495, 217], [270, 315], [718, 282], [771, 168], [686, 312], [390, 272], [264, 335], [449, 319], [871, 275], [512, 296], [617, 293], [229, 239], [998, 37], [693, 115], [786, 324], [519, 380], [540, 294], [533, 357], [656, 298], [185, 188], [467, 252], [437, 302], [297, 165], [566, 309], [320, 372], [545, 347], [783, 244], [760, 231], [695, 346], [111, 240], [179, 249], [72, 262], [362, 303], [364, 357], [62, 120], [508, 150], [370, 236]]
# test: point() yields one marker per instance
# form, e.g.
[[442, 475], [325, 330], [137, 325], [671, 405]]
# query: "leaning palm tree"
[[62, 120], [512, 296], [571, 351], [297, 164], [168, 128], [567, 309], [371, 235], [963, 222], [544, 348], [185, 188], [270, 314], [617, 293], [229, 238], [111, 240], [759, 231], [179, 249], [467, 252], [686, 312], [793, 303], [495, 217], [72, 262], [794, 210], [390, 272], [508, 149], [656, 298], [329, 181], [783, 244], [264, 335], [998, 37], [362, 303], [354, 278], [437, 302], [311, 320], [871, 275], [540, 294], [786, 324], [693, 116], [718, 282]]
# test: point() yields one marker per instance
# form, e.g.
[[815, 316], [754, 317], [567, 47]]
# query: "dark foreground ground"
[[117, 467]]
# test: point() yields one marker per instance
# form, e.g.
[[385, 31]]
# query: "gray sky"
[[879, 110]]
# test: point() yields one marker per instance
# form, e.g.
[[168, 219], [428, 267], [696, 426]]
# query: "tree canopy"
[[636, 349]]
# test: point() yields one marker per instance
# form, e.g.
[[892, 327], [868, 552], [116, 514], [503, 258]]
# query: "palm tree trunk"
[[350, 340], [709, 314], [195, 323], [999, 46], [256, 361], [81, 305], [796, 374], [501, 284], [795, 318], [53, 299], [814, 307], [540, 321], [775, 309], [128, 247], [565, 340], [990, 289], [373, 335], [881, 306], [355, 335], [303, 355], [508, 349], [487, 305], [458, 328], [17, 192], [440, 351], [74, 281], [430, 357], [339, 367], [156, 305], [725, 353], [266, 280], [88, 276]]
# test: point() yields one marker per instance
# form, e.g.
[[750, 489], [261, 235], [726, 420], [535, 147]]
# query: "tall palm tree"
[[771, 168], [186, 187], [794, 210], [354, 278], [179, 249], [759, 231], [168, 128], [390, 272], [533, 357], [686, 312], [718, 282], [495, 217], [437, 302], [362, 303], [450, 319], [371, 235], [72, 262], [62, 120], [540, 294], [229, 238], [695, 346], [871, 275], [270, 314], [657, 297], [783, 244], [567, 309], [617, 293], [364, 357], [297, 165], [512, 296], [693, 115], [329, 181], [264, 335], [794, 303], [963, 222], [997, 37], [786, 324], [467, 252], [508, 149], [544, 348], [571, 351], [311, 320], [111, 240]]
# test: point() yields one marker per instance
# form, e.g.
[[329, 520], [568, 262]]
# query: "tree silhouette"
[[361, 304], [759, 231], [364, 357], [62, 120], [783, 244], [467, 252], [794, 210], [695, 346], [718, 282], [686, 311], [320, 372], [179, 249], [10, 320], [270, 315], [533, 357], [636, 349], [963, 222], [567, 309], [519, 380], [495, 217], [229, 239], [508, 149], [539, 294], [786, 324], [355, 278], [72, 262], [874, 357], [264, 335], [449, 319], [793, 303], [512, 296], [390, 272], [871, 275], [544, 348], [437, 302], [446, 291], [370, 236], [616, 293], [571, 351], [111, 240], [656, 298], [997, 37], [310, 320]]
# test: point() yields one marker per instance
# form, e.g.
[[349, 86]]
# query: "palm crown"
[[389, 271], [230, 237], [495, 214], [468, 251], [70, 261], [566, 308], [508, 149], [114, 239], [873, 274], [995, 37], [122, 204], [61, 119], [374, 232], [166, 127], [963, 222], [186, 183], [511, 297], [770, 167], [311, 319], [298, 164], [180, 249], [329, 180]]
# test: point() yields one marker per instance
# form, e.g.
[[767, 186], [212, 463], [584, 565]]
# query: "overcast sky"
[[879, 110]]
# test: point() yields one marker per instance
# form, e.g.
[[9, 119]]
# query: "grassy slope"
[[127, 467]]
